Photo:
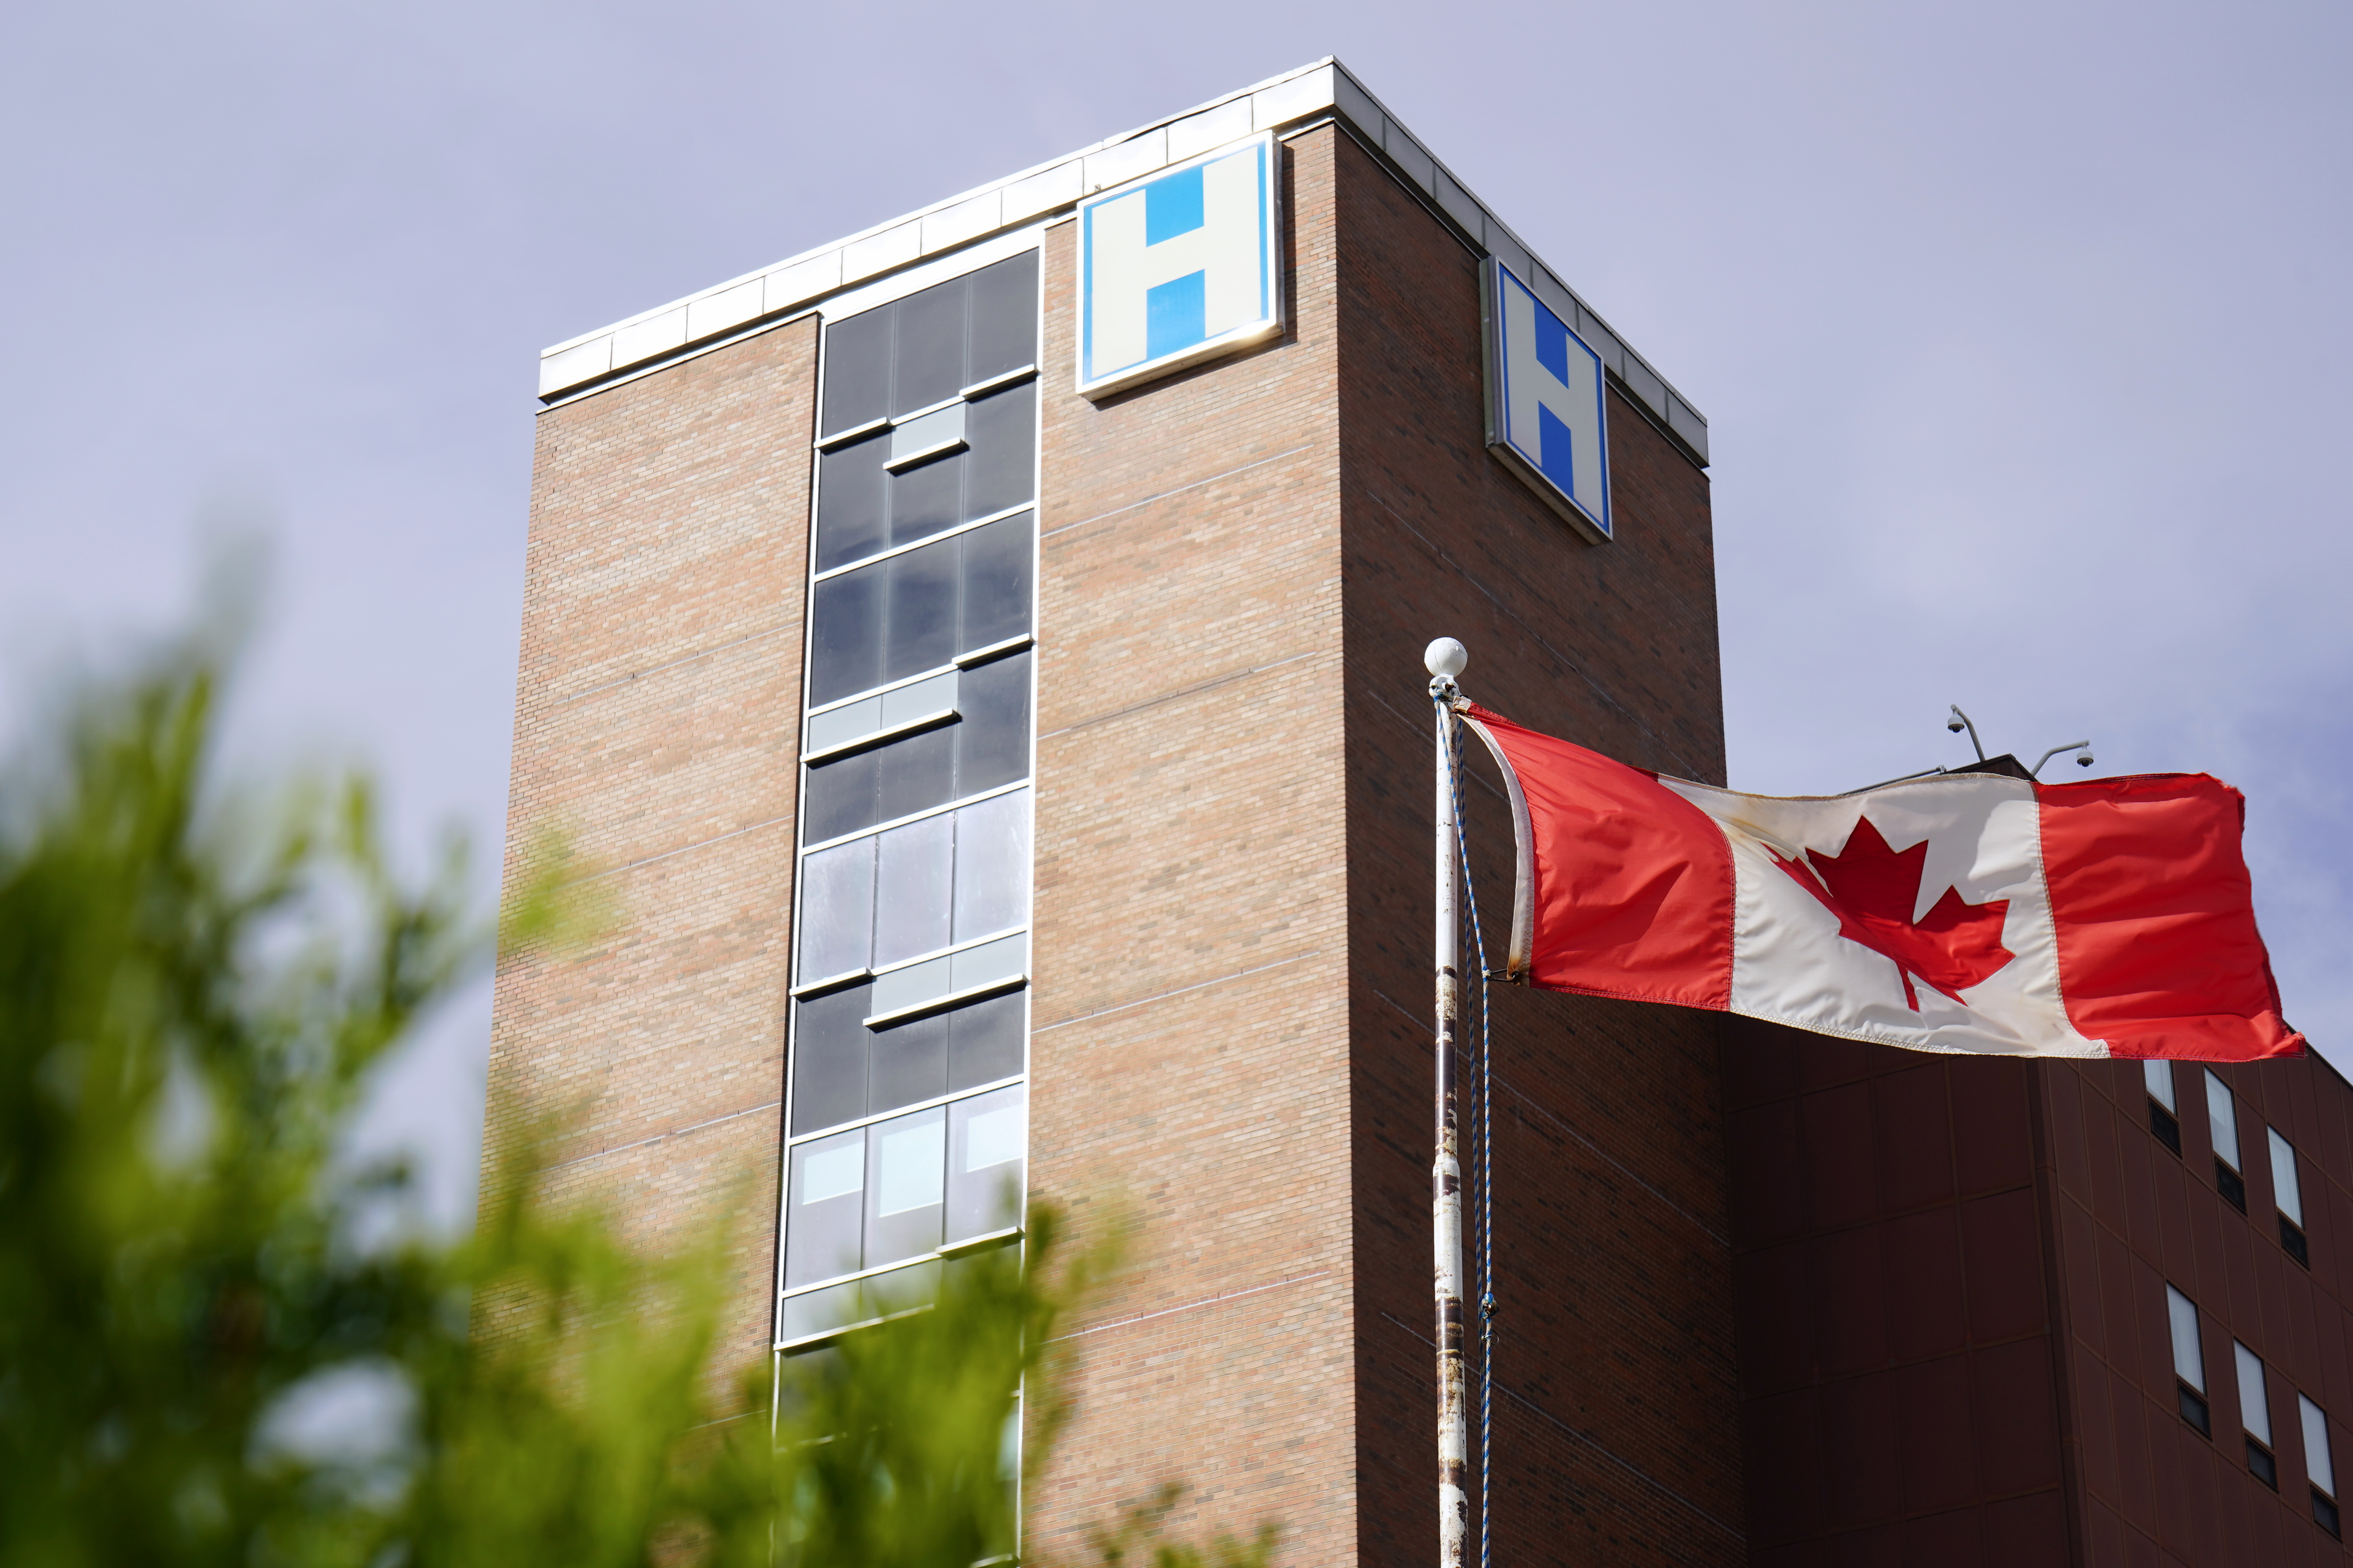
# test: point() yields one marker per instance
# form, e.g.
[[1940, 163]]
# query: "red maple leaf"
[[1873, 890]]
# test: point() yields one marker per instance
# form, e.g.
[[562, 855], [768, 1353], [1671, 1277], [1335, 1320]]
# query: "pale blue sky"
[[2022, 328]]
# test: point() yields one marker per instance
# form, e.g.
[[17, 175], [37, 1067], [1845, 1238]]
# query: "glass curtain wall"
[[906, 1099]]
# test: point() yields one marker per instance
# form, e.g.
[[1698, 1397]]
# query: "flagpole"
[[1445, 659]]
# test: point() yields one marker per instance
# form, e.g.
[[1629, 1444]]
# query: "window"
[[930, 412], [2288, 1193], [2255, 1415], [920, 611], [2164, 1116], [964, 733], [2317, 1466], [2189, 1361], [908, 1038], [2223, 1117], [917, 889]]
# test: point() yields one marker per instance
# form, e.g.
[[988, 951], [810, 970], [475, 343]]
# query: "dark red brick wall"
[[1615, 1427], [1954, 1346], [2133, 1217], [1897, 1365]]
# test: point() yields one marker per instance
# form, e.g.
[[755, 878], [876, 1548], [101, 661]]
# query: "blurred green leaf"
[[195, 984]]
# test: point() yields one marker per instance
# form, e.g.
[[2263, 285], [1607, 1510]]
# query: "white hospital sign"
[[1544, 403], [1178, 267]]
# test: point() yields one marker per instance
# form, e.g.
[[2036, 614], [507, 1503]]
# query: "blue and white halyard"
[[1546, 414], [1178, 267]]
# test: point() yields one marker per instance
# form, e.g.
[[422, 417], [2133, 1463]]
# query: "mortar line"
[[1172, 695], [673, 664], [1205, 1301], [681, 849], [1181, 990], [673, 1133], [1179, 490]]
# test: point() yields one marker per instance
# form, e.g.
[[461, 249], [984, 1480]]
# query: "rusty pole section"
[[1445, 659]]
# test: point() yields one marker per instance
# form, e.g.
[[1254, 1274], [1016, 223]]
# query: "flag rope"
[[1483, 1161]]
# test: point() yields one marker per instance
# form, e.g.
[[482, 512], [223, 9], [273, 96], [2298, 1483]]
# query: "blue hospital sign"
[[1544, 404], [1178, 267]]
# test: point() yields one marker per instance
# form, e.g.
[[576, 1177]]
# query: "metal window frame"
[[888, 291]]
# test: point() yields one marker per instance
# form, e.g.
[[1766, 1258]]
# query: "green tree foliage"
[[194, 982]]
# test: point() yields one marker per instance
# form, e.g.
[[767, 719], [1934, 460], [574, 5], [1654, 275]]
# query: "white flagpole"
[[1445, 659]]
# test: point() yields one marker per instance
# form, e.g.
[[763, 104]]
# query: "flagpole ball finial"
[[1445, 657]]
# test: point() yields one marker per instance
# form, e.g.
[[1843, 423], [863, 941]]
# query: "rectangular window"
[[2223, 1118], [921, 888], [2256, 1414], [849, 1064], [2164, 1117], [2189, 1360], [2319, 1470], [908, 1035], [930, 412], [922, 610], [964, 734], [2287, 1194]]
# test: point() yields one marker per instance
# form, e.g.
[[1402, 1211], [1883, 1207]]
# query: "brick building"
[[982, 660]]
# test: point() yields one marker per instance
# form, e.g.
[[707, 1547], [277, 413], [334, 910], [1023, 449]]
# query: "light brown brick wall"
[[1238, 565], [657, 717], [1191, 1044]]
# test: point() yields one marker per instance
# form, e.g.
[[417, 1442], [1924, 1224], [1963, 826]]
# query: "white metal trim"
[[1524, 865]]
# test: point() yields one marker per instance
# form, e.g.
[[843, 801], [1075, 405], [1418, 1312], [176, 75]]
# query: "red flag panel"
[[2158, 954], [1633, 886]]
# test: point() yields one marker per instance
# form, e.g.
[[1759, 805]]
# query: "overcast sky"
[[2021, 329]]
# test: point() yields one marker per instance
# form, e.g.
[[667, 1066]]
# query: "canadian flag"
[[1963, 912]]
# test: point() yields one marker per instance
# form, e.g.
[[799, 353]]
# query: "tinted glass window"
[[930, 353], [915, 354], [857, 370], [911, 1062], [988, 1136], [830, 1059], [993, 737], [986, 1041], [841, 796], [850, 499], [905, 1185], [997, 580], [927, 347], [836, 909], [992, 854], [1004, 316], [847, 635], [917, 773], [915, 612], [824, 1208], [985, 747], [914, 871], [922, 612], [843, 1071], [928, 499], [1001, 469]]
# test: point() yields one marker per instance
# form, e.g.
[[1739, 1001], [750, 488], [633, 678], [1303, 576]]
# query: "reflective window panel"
[[917, 611]]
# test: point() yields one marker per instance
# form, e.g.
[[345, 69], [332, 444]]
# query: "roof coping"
[[1325, 90]]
